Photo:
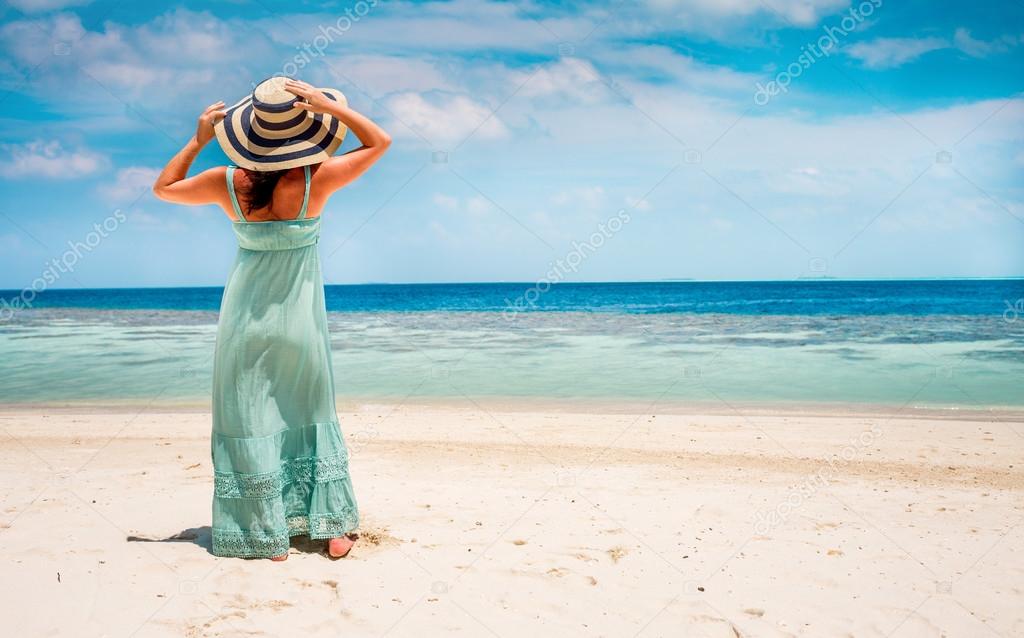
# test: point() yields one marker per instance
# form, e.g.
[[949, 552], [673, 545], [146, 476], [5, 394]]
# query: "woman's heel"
[[340, 547]]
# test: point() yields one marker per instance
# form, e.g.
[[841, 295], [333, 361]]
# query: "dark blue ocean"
[[803, 297], [955, 345]]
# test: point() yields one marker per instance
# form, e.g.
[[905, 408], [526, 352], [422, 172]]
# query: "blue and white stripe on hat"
[[265, 131]]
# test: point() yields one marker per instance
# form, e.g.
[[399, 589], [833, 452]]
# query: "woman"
[[280, 463]]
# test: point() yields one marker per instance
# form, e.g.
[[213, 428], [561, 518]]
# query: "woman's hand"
[[315, 101], [173, 183], [204, 129]]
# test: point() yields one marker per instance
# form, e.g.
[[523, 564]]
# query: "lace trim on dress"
[[270, 484], [258, 544]]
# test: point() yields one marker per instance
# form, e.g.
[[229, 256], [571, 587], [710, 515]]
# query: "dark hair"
[[261, 188]]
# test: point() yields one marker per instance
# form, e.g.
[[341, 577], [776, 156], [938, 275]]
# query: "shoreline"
[[574, 406]]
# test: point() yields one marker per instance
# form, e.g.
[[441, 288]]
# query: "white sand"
[[502, 521]]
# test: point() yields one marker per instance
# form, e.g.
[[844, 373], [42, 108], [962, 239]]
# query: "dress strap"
[[305, 194], [230, 176]]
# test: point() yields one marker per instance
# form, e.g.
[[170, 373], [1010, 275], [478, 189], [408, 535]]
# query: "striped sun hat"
[[266, 132]]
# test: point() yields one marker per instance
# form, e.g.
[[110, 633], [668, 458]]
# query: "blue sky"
[[521, 130]]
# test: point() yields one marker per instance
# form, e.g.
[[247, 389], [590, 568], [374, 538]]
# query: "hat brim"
[[318, 136]]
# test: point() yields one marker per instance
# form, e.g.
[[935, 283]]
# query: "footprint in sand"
[[616, 553], [376, 537], [331, 585]]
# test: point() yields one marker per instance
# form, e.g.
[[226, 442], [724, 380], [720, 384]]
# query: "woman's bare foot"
[[339, 547], [278, 559]]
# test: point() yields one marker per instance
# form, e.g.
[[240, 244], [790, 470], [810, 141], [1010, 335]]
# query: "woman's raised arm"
[[339, 171], [173, 185]]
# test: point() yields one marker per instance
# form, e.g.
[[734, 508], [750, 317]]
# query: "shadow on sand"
[[203, 537]]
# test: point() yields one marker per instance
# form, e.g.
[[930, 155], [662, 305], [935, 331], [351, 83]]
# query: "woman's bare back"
[[286, 201]]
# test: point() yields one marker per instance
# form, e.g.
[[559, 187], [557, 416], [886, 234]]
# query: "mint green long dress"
[[280, 463]]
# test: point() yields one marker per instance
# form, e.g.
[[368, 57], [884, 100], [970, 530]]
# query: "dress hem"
[[259, 544]]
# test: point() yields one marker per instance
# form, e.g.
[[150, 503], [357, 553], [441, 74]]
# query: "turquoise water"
[[964, 297], [963, 360]]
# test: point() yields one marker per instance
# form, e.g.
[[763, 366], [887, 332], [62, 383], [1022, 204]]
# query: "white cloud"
[[569, 77], [181, 49], [887, 53], [139, 218], [48, 159], [584, 198], [444, 119], [716, 18], [380, 75], [28, 41], [458, 26], [476, 205], [801, 12], [959, 213], [441, 233], [38, 6], [973, 47], [447, 202], [663, 63], [721, 224], [129, 183], [191, 51], [810, 181], [976, 48], [637, 204]]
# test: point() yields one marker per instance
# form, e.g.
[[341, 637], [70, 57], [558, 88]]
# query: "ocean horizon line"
[[562, 283]]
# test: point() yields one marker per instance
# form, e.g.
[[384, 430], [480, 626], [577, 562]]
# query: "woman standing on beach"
[[280, 463]]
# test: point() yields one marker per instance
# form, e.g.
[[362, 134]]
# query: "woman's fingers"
[[212, 117], [298, 88], [216, 106]]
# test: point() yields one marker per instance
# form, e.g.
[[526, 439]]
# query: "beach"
[[638, 320], [515, 517]]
